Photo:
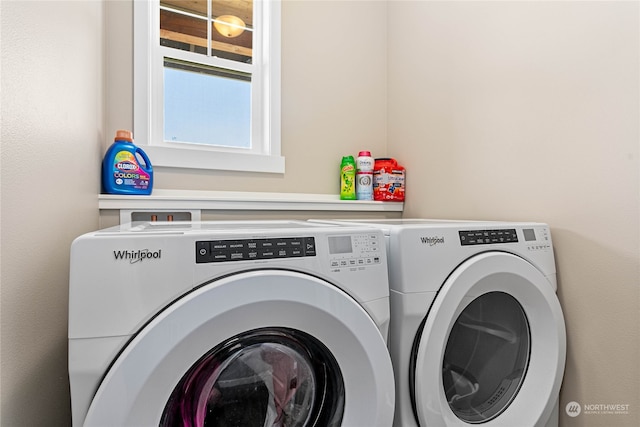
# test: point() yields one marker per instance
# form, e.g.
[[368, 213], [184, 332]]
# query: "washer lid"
[[493, 346], [166, 353]]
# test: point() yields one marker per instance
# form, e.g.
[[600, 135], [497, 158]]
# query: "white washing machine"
[[273, 323], [477, 333]]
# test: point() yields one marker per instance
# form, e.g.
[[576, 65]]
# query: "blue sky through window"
[[206, 109]]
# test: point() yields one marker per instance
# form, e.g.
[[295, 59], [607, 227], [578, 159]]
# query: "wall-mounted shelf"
[[232, 200]]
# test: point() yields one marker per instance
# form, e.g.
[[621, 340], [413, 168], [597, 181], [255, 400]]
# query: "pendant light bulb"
[[229, 26]]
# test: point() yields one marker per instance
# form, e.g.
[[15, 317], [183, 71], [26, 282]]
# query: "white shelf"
[[247, 201]]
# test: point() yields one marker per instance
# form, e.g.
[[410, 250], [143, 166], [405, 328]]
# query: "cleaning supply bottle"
[[364, 176], [126, 169], [388, 180], [348, 178]]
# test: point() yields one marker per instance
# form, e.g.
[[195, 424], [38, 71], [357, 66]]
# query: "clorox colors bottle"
[[126, 169]]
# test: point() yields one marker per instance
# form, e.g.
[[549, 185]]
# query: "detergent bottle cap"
[[125, 135]]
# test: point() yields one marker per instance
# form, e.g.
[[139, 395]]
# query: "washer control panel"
[[354, 250], [254, 249], [487, 237], [537, 239]]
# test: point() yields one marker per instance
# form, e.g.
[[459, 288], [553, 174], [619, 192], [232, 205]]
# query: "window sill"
[[246, 201], [193, 158]]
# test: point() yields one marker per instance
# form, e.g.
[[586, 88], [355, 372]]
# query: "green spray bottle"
[[348, 178]]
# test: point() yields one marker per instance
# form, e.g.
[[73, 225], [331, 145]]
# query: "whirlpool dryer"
[[477, 333], [273, 323]]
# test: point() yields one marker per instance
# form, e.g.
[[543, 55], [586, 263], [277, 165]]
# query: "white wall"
[[530, 111], [51, 131]]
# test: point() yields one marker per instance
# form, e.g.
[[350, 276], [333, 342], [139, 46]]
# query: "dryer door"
[[492, 349], [261, 348]]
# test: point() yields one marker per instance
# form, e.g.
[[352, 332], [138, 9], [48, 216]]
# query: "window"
[[207, 83]]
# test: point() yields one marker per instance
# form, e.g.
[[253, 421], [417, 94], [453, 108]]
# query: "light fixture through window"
[[229, 25]]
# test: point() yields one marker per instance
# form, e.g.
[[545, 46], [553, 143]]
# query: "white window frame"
[[148, 93]]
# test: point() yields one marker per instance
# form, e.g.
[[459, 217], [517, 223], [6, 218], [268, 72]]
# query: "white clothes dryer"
[[477, 333], [271, 323]]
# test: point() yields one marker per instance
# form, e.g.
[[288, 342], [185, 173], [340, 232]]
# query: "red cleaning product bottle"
[[388, 180]]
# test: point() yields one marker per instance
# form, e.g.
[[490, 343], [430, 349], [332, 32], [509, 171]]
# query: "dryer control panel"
[[534, 238], [254, 249]]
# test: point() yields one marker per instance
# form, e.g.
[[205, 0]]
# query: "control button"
[[266, 253], [237, 245], [265, 243], [295, 243], [335, 263], [220, 256], [252, 254], [202, 247], [219, 245], [203, 252], [309, 246], [237, 256]]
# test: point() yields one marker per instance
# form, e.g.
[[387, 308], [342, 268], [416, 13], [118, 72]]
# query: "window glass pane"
[[206, 105], [183, 25], [232, 29]]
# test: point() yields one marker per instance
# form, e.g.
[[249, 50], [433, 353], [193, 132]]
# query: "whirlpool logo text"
[[137, 256], [432, 241]]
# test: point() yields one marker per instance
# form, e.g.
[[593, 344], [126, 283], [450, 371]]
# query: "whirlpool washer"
[[272, 323]]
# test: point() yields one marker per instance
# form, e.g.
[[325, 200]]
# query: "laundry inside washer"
[[270, 376]]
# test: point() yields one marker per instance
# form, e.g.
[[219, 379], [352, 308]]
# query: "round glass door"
[[492, 347], [266, 377], [486, 357]]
